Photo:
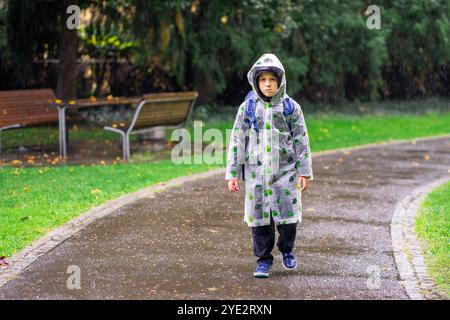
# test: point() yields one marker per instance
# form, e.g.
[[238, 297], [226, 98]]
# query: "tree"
[[68, 53]]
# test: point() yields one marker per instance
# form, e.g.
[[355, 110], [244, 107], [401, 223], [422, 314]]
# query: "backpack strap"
[[288, 106], [288, 109], [250, 106]]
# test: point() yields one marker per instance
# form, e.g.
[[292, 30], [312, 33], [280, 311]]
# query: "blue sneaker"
[[262, 269], [289, 262]]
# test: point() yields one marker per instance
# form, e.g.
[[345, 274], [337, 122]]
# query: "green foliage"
[[30, 32], [418, 43], [328, 51], [3, 40], [108, 33]]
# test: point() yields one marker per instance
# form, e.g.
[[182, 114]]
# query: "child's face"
[[268, 84]]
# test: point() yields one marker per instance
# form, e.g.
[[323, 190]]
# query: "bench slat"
[[27, 107], [171, 95], [157, 112], [165, 109]]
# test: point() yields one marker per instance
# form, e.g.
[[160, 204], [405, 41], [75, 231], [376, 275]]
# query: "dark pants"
[[264, 239]]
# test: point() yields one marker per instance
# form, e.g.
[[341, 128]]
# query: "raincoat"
[[269, 151]]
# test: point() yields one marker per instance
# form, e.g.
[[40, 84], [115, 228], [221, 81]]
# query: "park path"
[[190, 242]]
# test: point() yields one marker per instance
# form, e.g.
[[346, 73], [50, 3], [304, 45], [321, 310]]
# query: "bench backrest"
[[27, 107], [164, 109]]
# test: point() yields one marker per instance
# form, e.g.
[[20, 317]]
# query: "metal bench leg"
[[127, 146], [123, 140], [62, 132], [13, 126]]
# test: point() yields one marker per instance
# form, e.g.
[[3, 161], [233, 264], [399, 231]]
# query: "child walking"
[[269, 150]]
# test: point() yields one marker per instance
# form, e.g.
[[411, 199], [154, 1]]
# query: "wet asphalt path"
[[192, 243]]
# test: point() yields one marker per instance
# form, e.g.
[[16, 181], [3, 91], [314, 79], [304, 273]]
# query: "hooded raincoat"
[[269, 151]]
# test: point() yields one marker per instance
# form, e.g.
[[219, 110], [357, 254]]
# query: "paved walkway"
[[191, 243]]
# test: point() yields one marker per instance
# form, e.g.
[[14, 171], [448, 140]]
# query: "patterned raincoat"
[[269, 151]]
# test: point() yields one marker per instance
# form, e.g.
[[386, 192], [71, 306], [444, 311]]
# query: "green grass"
[[35, 200], [328, 132], [333, 132], [48, 135], [433, 227]]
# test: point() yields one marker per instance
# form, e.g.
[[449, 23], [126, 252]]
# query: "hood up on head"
[[268, 62]]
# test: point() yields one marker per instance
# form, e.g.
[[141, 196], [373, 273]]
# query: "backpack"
[[250, 106]]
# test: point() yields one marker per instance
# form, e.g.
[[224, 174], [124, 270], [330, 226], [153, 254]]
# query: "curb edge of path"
[[22, 259], [407, 247]]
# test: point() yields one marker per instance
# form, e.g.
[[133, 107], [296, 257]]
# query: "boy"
[[271, 196]]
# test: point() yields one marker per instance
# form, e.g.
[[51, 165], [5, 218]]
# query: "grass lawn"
[[433, 227], [49, 136], [35, 200], [327, 132]]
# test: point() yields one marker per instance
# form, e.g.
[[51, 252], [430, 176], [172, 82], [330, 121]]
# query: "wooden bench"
[[23, 108], [168, 110]]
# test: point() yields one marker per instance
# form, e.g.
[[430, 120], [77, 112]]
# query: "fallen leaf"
[[16, 163], [3, 261]]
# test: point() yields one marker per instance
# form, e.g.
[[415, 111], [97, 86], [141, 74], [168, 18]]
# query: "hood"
[[268, 60]]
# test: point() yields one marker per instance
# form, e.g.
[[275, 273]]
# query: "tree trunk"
[[68, 51], [204, 88]]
